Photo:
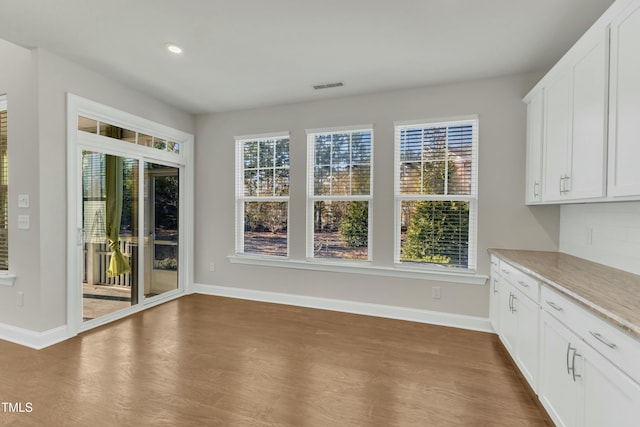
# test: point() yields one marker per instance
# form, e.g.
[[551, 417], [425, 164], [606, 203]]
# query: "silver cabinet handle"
[[554, 306], [573, 363], [510, 302], [515, 310], [520, 282], [567, 184], [495, 287], [571, 368], [506, 271], [602, 340], [536, 185], [562, 184]]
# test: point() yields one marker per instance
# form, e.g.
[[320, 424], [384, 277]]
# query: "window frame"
[[241, 198], [312, 198], [471, 198]]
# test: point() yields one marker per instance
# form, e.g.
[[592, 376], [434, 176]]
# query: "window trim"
[[240, 198], [311, 197], [471, 198], [465, 277]]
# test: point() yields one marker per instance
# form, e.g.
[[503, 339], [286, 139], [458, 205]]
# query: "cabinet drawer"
[[616, 345], [528, 285]]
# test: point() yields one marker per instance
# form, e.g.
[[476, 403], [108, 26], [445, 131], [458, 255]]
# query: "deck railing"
[[96, 262]]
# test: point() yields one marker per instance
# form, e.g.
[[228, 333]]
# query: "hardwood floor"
[[211, 361]]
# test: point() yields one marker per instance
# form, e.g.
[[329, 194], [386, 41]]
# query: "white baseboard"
[[36, 340], [392, 312]]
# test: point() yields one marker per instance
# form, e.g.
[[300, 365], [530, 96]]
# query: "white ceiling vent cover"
[[328, 85]]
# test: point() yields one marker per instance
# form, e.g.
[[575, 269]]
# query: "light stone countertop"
[[610, 293]]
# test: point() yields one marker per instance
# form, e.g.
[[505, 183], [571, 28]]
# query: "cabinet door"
[[611, 397], [624, 116], [494, 301], [585, 177], [508, 320], [527, 347], [535, 123], [560, 394], [557, 102]]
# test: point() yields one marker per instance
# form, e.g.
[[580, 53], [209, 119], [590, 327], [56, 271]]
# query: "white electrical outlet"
[[23, 222], [435, 292], [212, 266]]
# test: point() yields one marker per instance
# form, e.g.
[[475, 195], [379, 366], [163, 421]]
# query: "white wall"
[[607, 233], [504, 220], [37, 163]]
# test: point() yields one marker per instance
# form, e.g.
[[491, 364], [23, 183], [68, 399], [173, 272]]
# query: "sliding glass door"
[[109, 215], [119, 272], [162, 207]]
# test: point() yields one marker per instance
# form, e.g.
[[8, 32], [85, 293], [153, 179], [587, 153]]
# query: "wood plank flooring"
[[211, 361]]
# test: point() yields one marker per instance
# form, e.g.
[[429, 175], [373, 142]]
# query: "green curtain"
[[114, 183]]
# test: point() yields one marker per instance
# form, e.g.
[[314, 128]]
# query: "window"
[[436, 193], [340, 169], [86, 124], [4, 188], [262, 195]]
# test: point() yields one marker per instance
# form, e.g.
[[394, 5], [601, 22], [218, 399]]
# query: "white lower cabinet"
[[518, 323], [578, 386], [494, 296], [559, 392], [585, 371], [611, 398]]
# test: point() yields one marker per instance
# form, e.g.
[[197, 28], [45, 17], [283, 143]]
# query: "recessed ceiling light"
[[174, 48]]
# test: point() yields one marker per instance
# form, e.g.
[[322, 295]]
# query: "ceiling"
[[241, 54]]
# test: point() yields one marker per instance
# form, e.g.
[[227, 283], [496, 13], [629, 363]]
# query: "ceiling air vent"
[[328, 85]]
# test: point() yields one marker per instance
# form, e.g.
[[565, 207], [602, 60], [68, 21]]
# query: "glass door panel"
[[110, 224], [161, 228]]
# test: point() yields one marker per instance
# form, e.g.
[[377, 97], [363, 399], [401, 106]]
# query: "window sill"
[[7, 278], [362, 267]]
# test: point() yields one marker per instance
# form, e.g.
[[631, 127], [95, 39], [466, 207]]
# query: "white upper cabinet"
[[586, 170], [624, 105], [575, 116], [557, 133], [535, 124], [583, 144]]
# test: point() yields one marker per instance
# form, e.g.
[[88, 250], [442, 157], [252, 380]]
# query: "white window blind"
[[262, 195], [4, 187], [436, 192], [339, 177]]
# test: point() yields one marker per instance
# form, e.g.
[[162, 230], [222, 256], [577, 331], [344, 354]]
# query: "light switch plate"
[[23, 200], [23, 222]]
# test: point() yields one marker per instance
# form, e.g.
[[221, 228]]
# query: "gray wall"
[[37, 83], [504, 220]]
